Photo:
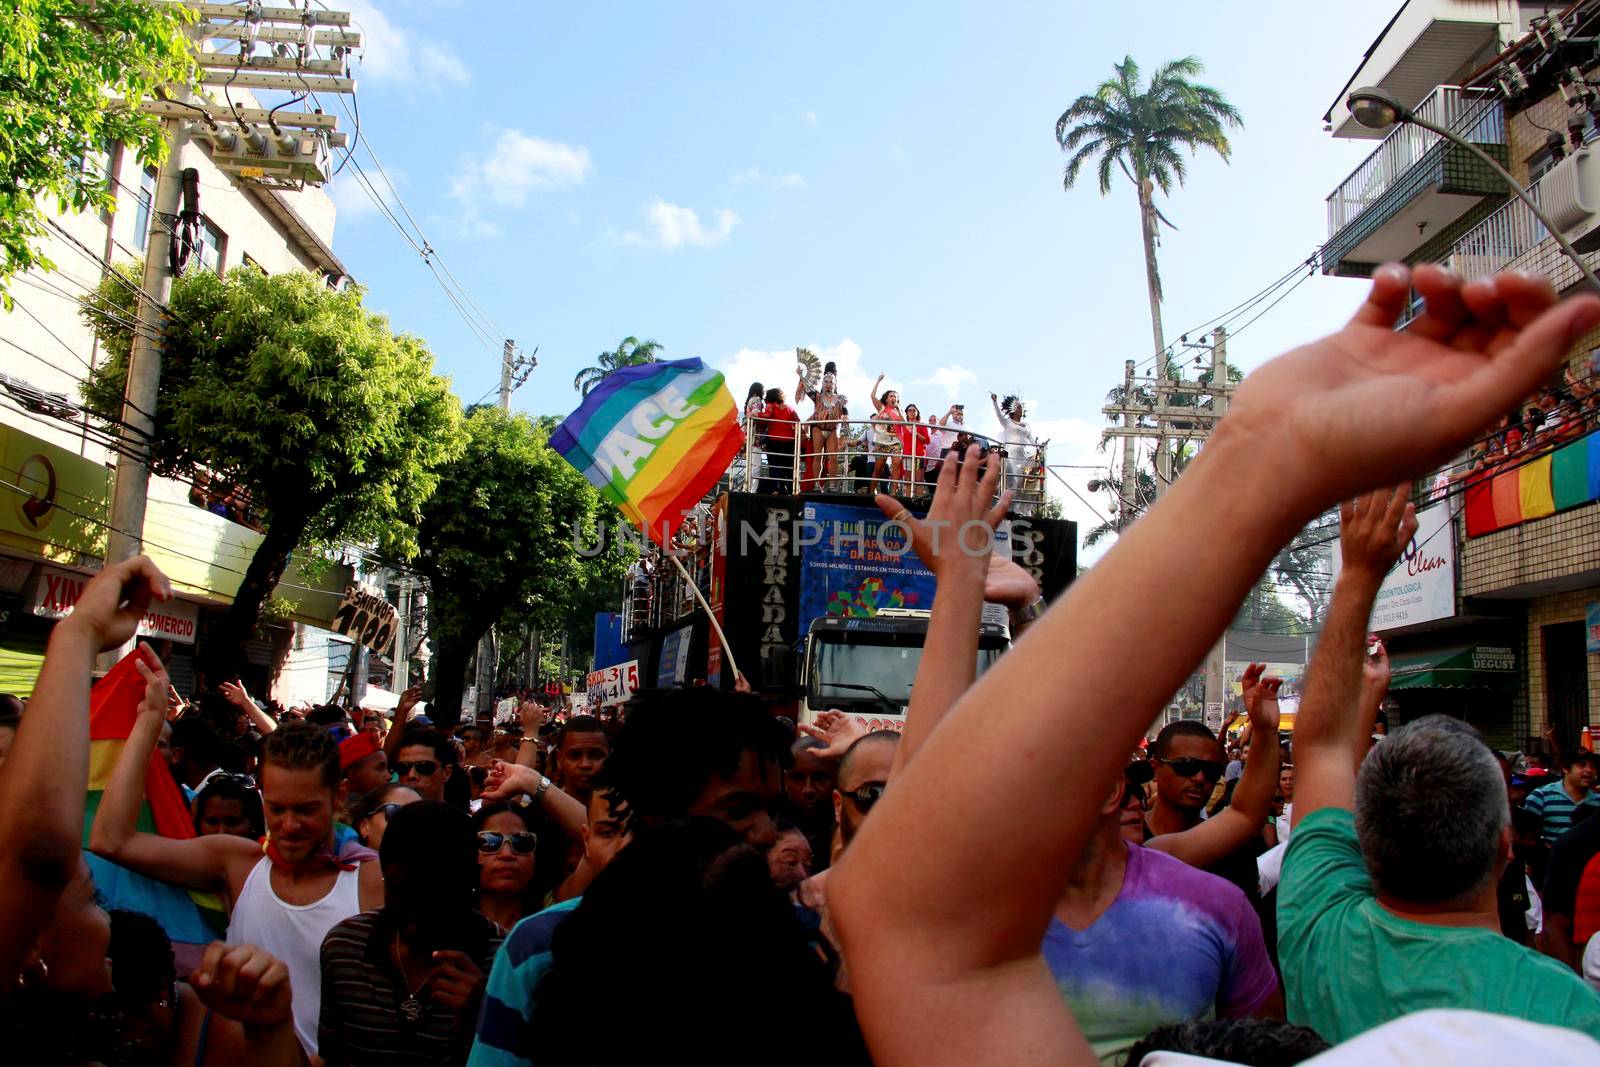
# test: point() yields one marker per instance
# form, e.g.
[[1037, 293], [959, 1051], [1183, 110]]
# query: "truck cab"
[[866, 666]]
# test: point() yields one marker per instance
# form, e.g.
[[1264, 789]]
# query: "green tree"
[[333, 424], [1144, 131], [632, 352], [60, 61], [504, 537]]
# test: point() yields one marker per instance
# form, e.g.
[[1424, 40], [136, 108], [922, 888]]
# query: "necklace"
[[411, 1007]]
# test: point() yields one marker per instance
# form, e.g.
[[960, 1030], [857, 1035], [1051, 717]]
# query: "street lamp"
[[1378, 109]]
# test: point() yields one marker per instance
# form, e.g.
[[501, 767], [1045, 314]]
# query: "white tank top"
[[294, 933]]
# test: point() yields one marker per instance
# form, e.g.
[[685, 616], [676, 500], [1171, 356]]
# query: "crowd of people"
[[1016, 877], [895, 449], [1557, 415]]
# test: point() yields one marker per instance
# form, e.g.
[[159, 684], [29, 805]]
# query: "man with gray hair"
[[1387, 904]]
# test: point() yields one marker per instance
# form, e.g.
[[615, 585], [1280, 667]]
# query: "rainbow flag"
[[654, 439], [190, 919]]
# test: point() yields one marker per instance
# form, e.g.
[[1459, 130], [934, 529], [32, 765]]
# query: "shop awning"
[[1455, 667]]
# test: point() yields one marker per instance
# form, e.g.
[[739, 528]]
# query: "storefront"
[[1476, 682]]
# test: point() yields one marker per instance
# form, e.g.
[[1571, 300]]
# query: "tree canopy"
[[334, 425], [60, 61], [631, 352], [504, 536]]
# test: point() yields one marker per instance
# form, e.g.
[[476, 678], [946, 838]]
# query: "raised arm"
[[234, 692], [943, 899], [1332, 729], [197, 862], [46, 777], [507, 780], [533, 716], [402, 715], [1243, 818], [1005, 420], [955, 541], [877, 405]]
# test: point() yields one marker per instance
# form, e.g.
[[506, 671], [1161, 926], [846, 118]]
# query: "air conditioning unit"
[[1570, 195]]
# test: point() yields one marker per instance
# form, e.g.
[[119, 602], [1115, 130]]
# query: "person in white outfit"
[[1021, 445], [284, 896]]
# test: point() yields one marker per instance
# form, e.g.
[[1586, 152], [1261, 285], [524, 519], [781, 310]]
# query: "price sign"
[[612, 685], [366, 617]]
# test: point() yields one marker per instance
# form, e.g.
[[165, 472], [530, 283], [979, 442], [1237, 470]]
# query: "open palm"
[[1369, 406]]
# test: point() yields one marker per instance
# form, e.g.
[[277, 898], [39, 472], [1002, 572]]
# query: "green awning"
[[1456, 667]]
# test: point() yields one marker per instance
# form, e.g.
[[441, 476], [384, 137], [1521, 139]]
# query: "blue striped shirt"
[[1552, 804], [504, 1037]]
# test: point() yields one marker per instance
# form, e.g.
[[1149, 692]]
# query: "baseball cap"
[[355, 749]]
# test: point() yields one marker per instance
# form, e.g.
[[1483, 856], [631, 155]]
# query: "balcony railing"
[[1505, 236], [1475, 114]]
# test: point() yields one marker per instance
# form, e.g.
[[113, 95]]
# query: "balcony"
[[1415, 186], [1429, 43]]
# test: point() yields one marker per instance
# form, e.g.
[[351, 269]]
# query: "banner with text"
[[58, 593], [612, 685], [1422, 585]]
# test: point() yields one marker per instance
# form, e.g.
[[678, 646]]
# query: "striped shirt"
[[362, 991], [1552, 804], [505, 1037]]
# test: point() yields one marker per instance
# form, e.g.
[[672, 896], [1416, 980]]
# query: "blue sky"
[[880, 183]]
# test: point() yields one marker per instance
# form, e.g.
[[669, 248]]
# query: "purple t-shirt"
[[1176, 944]]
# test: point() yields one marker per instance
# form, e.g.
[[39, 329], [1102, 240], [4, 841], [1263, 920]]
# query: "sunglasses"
[[867, 795], [523, 842], [1188, 768], [386, 810], [237, 779], [426, 767]]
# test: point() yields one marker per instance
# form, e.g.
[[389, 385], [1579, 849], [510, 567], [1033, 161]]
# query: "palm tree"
[[1143, 131], [630, 353]]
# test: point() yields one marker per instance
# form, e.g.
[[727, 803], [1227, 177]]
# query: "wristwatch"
[[544, 785], [1027, 614]]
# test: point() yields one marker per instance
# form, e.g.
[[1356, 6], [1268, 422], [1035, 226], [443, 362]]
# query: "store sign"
[[366, 617], [1422, 585], [58, 592], [612, 685], [1592, 618], [1493, 658]]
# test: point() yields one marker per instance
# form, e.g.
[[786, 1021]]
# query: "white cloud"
[[755, 176], [391, 54], [953, 379], [520, 163], [777, 367], [808, 117], [671, 226]]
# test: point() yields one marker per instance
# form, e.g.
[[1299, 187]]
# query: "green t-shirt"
[[1349, 965]]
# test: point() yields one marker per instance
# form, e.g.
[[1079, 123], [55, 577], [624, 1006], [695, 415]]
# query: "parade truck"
[[823, 602]]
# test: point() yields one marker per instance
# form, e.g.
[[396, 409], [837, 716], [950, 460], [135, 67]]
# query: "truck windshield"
[[886, 666]]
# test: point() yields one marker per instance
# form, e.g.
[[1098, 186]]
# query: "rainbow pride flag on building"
[[654, 439], [190, 919]]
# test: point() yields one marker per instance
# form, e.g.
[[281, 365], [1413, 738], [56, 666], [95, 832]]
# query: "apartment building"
[[55, 467], [1495, 615]]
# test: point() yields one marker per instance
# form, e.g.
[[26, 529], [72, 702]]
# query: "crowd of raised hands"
[[935, 916]]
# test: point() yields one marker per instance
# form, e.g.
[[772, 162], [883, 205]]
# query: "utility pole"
[[1216, 659], [276, 157], [132, 488], [514, 370], [505, 374], [1163, 422]]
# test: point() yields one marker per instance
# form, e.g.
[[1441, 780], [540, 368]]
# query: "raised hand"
[[533, 716], [957, 536], [1375, 670], [156, 683], [1367, 406], [507, 780], [1374, 530], [1261, 700], [837, 732], [234, 692], [113, 601], [408, 700], [244, 983], [1009, 583]]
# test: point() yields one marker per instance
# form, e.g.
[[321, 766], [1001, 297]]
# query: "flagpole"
[[715, 625]]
